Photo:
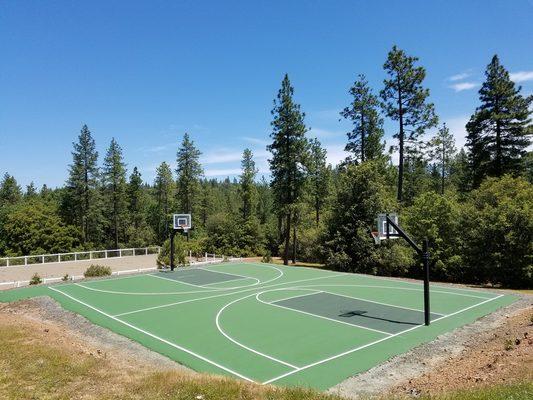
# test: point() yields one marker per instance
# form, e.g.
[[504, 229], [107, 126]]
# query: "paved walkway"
[[55, 270]]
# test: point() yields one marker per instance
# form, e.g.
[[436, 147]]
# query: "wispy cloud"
[[459, 87], [521, 76], [261, 142], [459, 77], [224, 155], [218, 172]]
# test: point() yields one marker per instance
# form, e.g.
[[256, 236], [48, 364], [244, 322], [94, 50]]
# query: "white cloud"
[[221, 156], [222, 172], [261, 142], [335, 153], [457, 126], [521, 76], [459, 77], [459, 87]]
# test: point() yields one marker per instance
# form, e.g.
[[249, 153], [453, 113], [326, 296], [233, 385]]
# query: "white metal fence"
[[77, 256], [197, 262]]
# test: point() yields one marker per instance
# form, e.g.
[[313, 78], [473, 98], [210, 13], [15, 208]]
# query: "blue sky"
[[146, 72]]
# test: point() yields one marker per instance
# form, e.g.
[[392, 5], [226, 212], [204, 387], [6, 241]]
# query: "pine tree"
[[404, 100], [137, 209], [82, 201], [441, 150], [499, 131], [10, 191], [318, 175], [247, 188], [164, 194], [114, 182], [288, 156], [365, 139], [31, 190], [189, 172], [460, 172]]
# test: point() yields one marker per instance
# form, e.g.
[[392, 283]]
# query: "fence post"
[[146, 251], [105, 253], [205, 257], [26, 260], [7, 262], [75, 256], [90, 255], [59, 258], [42, 259], [120, 252]]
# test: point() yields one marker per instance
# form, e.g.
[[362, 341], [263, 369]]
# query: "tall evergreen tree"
[[10, 191], [288, 156], [164, 195], [189, 171], [500, 129], [31, 190], [441, 150], [365, 139], [82, 204], [247, 189], [114, 180], [318, 175], [460, 172], [138, 231], [404, 100]]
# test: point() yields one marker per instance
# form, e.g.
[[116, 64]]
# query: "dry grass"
[[39, 360]]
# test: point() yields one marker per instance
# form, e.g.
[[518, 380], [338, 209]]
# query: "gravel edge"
[[425, 357]]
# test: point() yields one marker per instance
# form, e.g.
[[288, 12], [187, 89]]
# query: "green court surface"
[[271, 324]]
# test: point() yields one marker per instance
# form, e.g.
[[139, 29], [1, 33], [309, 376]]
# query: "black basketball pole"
[[424, 254], [425, 261], [172, 234]]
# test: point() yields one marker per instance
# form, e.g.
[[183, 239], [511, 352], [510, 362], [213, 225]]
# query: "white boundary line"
[[156, 337], [407, 288], [373, 343], [399, 280]]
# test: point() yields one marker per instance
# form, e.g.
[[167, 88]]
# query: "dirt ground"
[[495, 349], [501, 355]]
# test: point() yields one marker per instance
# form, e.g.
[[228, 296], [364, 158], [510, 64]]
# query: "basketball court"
[[268, 323]]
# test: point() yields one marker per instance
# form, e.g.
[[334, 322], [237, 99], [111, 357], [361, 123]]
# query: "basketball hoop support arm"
[[424, 254]]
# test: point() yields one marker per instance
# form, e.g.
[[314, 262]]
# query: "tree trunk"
[[294, 243], [443, 169], [362, 137], [287, 239], [498, 161], [401, 137]]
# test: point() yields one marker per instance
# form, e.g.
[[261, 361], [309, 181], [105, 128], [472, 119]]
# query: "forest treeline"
[[474, 204]]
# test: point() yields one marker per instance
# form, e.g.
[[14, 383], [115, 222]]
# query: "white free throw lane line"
[[376, 302], [320, 316], [374, 343], [217, 322], [218, 295], [155, 336], [208, 290]]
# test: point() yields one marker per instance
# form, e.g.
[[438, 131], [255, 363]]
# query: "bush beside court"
[[96, 270]]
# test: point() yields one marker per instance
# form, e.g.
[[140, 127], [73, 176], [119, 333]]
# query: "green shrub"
[[180, 253], [497, 232], [35, 279], [267, 257], [66, 277], [97, 270]]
